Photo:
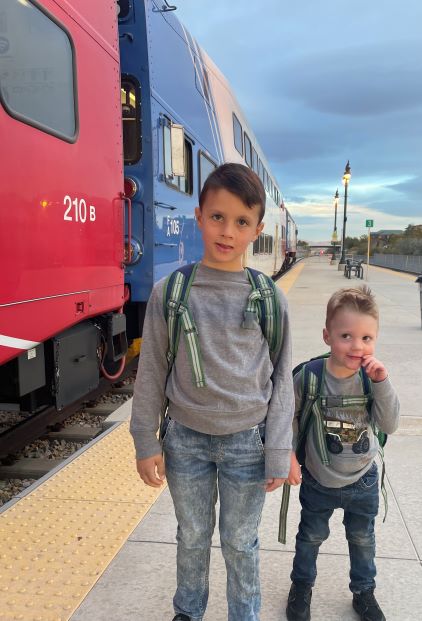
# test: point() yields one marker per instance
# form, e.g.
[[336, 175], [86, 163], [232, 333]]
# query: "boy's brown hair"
[[239, 180], [359, 299]]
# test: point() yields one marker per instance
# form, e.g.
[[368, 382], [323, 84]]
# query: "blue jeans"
[[360, 503], [198, 467]]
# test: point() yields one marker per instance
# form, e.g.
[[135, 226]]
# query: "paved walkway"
[[139, 584]]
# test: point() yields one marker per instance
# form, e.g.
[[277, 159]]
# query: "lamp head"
[[347, 173]]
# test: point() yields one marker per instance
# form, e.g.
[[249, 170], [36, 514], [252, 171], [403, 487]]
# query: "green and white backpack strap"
[[178, 317], [263, 306], [312, 377]]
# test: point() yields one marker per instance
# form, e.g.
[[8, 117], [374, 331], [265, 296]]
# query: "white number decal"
[[67, 199], [173, 227], [82, 210], [79, 213]]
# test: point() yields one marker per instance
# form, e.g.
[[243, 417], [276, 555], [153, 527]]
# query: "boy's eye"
[[217, 217], [367, 339], [345, 336], [243, 222]]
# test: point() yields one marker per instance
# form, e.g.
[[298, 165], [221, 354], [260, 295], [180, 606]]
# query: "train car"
[[61, 205], [291, 240], [108, 146], [181, 119]]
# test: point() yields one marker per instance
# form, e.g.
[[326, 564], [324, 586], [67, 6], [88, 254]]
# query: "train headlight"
[[136, 252], [130, 187]]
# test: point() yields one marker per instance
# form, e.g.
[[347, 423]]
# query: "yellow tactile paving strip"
[[57, 541], [287, 281]]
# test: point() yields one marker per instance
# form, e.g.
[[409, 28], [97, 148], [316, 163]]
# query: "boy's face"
[[228, 226], [351, 336]]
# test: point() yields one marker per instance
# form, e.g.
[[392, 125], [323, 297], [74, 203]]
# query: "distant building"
[[382, 238]]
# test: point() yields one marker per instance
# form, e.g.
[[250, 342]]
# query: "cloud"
[[358, 81], [411, 187], [319, 87]]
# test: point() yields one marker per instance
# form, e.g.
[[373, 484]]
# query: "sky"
[[323, 82]]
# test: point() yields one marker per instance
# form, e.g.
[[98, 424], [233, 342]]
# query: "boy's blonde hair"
[[359, 299]]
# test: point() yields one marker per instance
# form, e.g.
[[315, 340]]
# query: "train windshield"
[[131, 118]]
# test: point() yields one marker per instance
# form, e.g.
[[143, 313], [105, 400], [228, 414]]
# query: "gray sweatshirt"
[[347, 467], [243, 388]]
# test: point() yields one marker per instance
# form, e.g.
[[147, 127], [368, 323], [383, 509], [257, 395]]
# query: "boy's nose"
[[228, 229]]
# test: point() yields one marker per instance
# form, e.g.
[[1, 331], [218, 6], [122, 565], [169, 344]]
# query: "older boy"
[[349, 478], [213, 436]]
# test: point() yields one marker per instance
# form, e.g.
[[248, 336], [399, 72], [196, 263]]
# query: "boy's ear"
[[259, 229], [198, 216], [326, 336]]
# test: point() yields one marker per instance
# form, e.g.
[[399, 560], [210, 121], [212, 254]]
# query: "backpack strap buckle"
[[332, 401], [249, 320], [266, 292], [176, 307]]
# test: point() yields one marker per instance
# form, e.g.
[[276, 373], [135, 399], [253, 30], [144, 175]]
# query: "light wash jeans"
[[198, 467], [360, 503]]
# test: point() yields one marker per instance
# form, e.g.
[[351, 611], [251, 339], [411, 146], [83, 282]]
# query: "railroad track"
[[41, 442]]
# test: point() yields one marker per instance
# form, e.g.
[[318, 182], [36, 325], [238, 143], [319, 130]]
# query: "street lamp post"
[[334, 238], [346, 178]]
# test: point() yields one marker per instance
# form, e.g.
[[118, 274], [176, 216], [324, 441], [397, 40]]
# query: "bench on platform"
[[355, 267]]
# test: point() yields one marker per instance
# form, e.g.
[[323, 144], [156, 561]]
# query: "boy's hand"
[[375, 369], [272, 484], [151, 470], [295, 474]]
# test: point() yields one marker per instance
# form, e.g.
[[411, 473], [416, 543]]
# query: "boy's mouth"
[[223, 247]]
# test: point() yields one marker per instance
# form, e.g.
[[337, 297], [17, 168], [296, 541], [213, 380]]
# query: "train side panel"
[[61, 213]]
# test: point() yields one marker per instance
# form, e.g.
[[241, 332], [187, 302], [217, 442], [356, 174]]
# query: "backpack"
[[312, 378], [263, 304]]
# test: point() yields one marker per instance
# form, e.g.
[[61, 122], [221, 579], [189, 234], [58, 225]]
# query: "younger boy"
[[213, 435], [350, 479]]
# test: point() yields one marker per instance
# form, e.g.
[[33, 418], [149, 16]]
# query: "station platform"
[[131, 566]]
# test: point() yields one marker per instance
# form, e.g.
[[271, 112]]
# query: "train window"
[[256, 246], [183, 183], [265, 179], [238, 134], [261, 171], [131, 119], [36, 86], [206, 166], [254, 160], [248, 150], [123, 8]]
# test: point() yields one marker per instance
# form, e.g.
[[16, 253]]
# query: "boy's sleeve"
[[278, 431], [149, 391], [385, 406]]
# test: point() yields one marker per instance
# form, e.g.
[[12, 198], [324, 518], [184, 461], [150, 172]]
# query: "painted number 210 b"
[[77, 210]]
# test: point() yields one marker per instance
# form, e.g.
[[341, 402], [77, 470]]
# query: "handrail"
[[128, 250]]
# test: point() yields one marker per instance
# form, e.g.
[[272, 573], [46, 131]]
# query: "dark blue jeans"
[[360, 503]]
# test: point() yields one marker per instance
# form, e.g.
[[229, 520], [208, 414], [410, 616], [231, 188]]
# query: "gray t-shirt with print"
[[347, 466]]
